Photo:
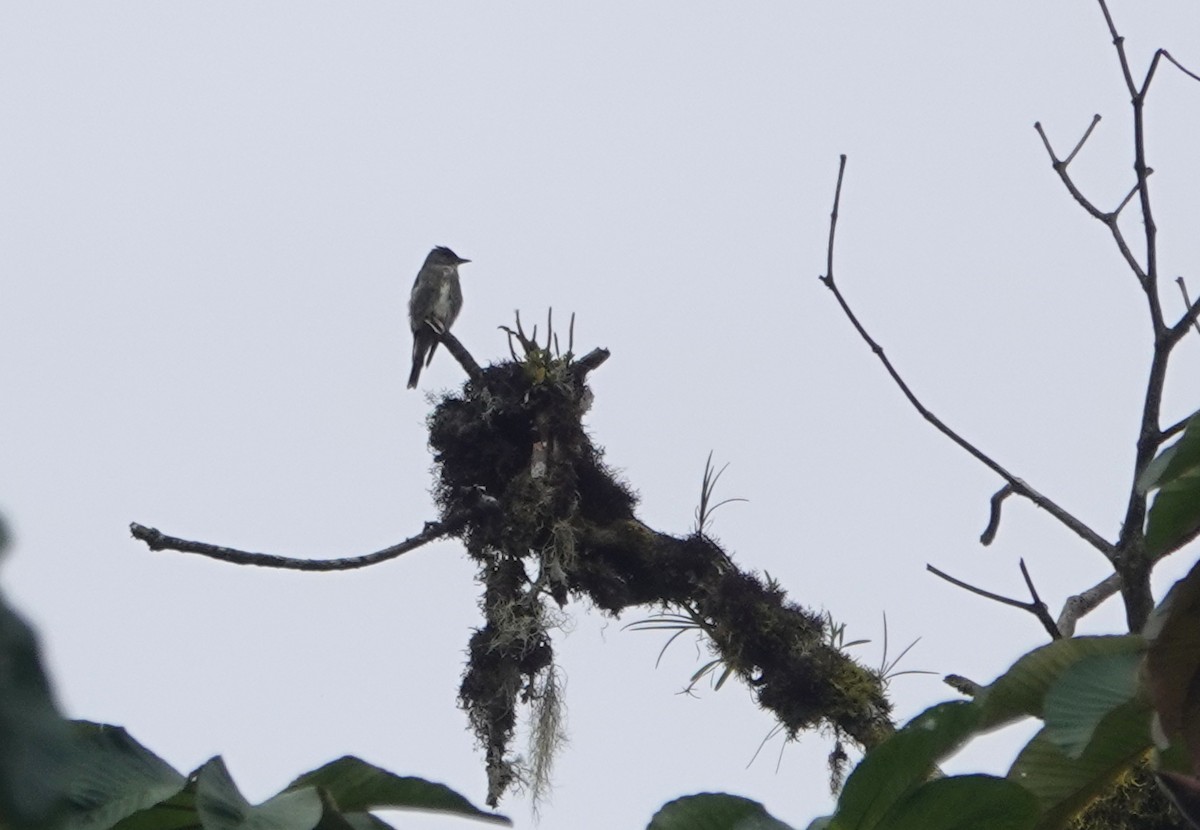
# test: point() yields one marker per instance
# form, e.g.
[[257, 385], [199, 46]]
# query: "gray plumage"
[[433, 306]]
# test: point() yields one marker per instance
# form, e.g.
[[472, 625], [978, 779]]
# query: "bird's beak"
[[461, 261]]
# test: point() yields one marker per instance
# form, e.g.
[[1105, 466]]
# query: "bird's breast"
[[443, 304]]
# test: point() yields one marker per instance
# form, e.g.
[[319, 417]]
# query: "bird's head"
[[441, 255]]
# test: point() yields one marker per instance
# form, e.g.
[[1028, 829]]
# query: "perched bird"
[[433, 306]]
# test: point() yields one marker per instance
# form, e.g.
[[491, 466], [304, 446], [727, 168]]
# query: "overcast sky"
[[210, 218]]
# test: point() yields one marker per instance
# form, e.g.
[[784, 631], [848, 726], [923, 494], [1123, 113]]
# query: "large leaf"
[[221, 806], [175, 813], [355, 786], [714, 811], [1064, 785], [1178, 461], [114, 777], [1021, 691], [1087, 691], [901, 763], [1174, 517], [965, 802], [1173, 662], [34, 739]]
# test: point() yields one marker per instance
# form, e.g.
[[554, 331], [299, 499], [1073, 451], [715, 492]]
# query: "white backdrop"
[[210, 218]]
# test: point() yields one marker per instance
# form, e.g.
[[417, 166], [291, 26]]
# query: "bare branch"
[[1035, 606], [157, 540], [1133, 191], [1177, 331], [833, 217], [963, 685], [989, 533], [1039, 608], [1084, 602], [1079, 145], [1187, 303], [461, 355], [1175, 428], [1119, 42], [590, 361], [1109, 219], [1019, 487], [1178, 65]]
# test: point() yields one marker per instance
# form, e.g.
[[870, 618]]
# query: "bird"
[[433, 305]]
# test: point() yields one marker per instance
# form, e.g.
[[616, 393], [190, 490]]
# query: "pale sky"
[[210, 218]]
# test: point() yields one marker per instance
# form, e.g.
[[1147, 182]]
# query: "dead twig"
[[157, 540], [1018, 486], [1035, 605]]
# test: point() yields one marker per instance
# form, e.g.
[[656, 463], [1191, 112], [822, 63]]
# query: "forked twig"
[[1035, 605]]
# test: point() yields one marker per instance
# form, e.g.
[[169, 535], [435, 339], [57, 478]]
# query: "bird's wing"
[[456, 300], [421, 302]]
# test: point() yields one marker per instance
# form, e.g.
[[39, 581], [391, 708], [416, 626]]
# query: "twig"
[[963, 685], [157, 540], [1084, 602], [989, 533], [1081, 604], [1018, 486], [1175, 428], [1187, 303], [590, 361], [1109, 219], [1177, 331], [1035, 606], [1039, 607], [1178, 65], [1079, 145]]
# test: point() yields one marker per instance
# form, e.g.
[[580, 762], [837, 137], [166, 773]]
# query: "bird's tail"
[[415, 374]]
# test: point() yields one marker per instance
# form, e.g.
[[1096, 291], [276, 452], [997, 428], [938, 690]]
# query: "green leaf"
[[1153, 474], [1063, 786], [1180, 460], [1086, 692], [221, 806], [175, 813], [356, 786], [903, 762], [34, 739], [1021, 691], [1174, 518], [1173, 662], [714, 811], [366, 821], [114, 777], [965, 802]]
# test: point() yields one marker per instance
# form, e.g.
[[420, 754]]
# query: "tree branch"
[[1035, 606], [1109, 219], [1081, 604], [460, 354], [1018, 486], [157, 540], [989, 533], [1192, 309]]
